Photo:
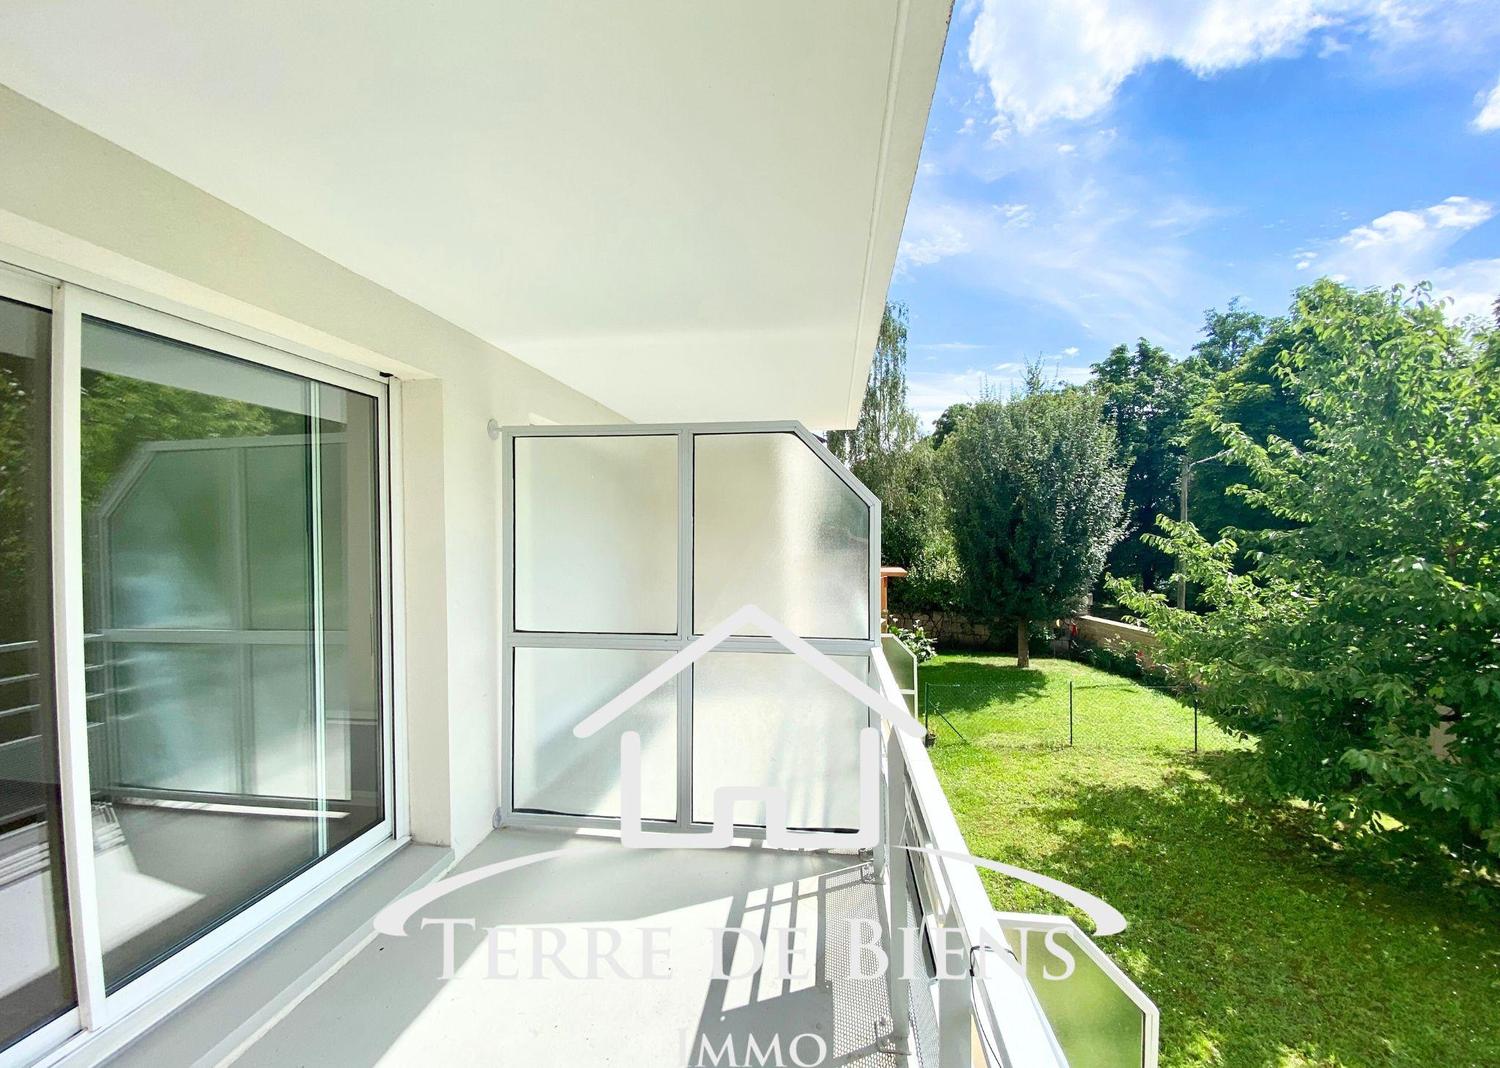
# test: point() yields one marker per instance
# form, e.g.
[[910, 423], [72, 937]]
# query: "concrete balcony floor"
[[388, 1004]]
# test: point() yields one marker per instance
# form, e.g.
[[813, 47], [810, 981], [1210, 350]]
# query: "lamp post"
[[1182, 510]]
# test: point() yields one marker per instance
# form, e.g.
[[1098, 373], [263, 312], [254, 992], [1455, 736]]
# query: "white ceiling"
[[688, 209]]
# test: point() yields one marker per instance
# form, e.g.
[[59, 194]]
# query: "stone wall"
[[1112, 633], [954, 630]]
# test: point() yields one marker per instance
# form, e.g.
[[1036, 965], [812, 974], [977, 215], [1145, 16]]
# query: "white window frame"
[[506, 813], [101, 1024]]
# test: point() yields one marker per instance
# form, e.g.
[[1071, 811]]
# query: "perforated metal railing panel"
[[922, 1013]]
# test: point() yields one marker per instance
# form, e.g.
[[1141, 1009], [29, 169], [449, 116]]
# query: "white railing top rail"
[[1006, 1011]]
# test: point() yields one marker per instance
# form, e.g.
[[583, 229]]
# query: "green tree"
[[1361, 641], [23, 494], [947, 422], [121, 414], [910, 502], [914, 531], [886, 452], [1228, 337], [1146, 396], [1035, 497], [1257, 398], [887, 426]]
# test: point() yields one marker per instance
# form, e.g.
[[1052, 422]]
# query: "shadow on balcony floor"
[[389, 1005]]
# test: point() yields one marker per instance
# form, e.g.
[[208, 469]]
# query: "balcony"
[[286, 633], [556, 942], [463, 982], [841, 922]]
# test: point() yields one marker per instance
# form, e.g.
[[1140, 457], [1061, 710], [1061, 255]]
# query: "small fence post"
[[1195, 723], [1070, 713]]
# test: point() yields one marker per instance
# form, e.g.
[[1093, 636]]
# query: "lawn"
[[1260, 944]]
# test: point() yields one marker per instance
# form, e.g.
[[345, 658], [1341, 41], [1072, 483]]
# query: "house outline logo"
[[778, 835], [392, 919]]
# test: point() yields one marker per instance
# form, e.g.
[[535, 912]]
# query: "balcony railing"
[[633, 553], [996, 999]]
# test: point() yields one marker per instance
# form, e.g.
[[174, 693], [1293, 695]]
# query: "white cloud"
[[1410, 246], [1401, 241], [923, 245], [1065, 59], [1087, 252], [1331, 46], [930, 392], [1015, 214], [1473, 286], [1489, 112]]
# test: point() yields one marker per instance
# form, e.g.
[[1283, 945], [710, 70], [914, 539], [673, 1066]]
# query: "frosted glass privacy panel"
[[596, 534], [558, 772], [1095, 1021], [774, 527], [768, 719]]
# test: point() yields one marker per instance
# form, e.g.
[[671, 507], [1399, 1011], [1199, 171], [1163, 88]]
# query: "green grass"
[[1261, 944]]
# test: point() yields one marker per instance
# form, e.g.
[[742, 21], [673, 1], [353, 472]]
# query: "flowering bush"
[[914, 638]]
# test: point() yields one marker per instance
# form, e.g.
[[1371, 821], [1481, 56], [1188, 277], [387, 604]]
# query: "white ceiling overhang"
[[687, 209]]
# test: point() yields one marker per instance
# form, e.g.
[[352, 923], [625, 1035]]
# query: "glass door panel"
[[36, 976], [231, 571]]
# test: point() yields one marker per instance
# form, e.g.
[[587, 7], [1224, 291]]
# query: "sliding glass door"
[[36, 978], [230, 565], [228, 717]]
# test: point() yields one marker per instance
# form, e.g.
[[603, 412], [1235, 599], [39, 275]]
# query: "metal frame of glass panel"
[[102, 1023], [512, 638]]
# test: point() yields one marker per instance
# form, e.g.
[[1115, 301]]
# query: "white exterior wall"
[[69, 197]]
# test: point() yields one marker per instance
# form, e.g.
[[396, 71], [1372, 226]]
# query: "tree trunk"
[[1023, 645]]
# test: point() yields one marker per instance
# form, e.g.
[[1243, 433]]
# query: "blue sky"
[[1099, 170]]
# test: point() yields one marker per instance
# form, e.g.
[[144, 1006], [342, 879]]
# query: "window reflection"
[[232, 583], [36, 980]]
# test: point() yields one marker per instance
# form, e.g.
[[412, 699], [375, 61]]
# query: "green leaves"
[[885, 452], [1364, 634], [887, 427], [1035, 502], [1147, 396]]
